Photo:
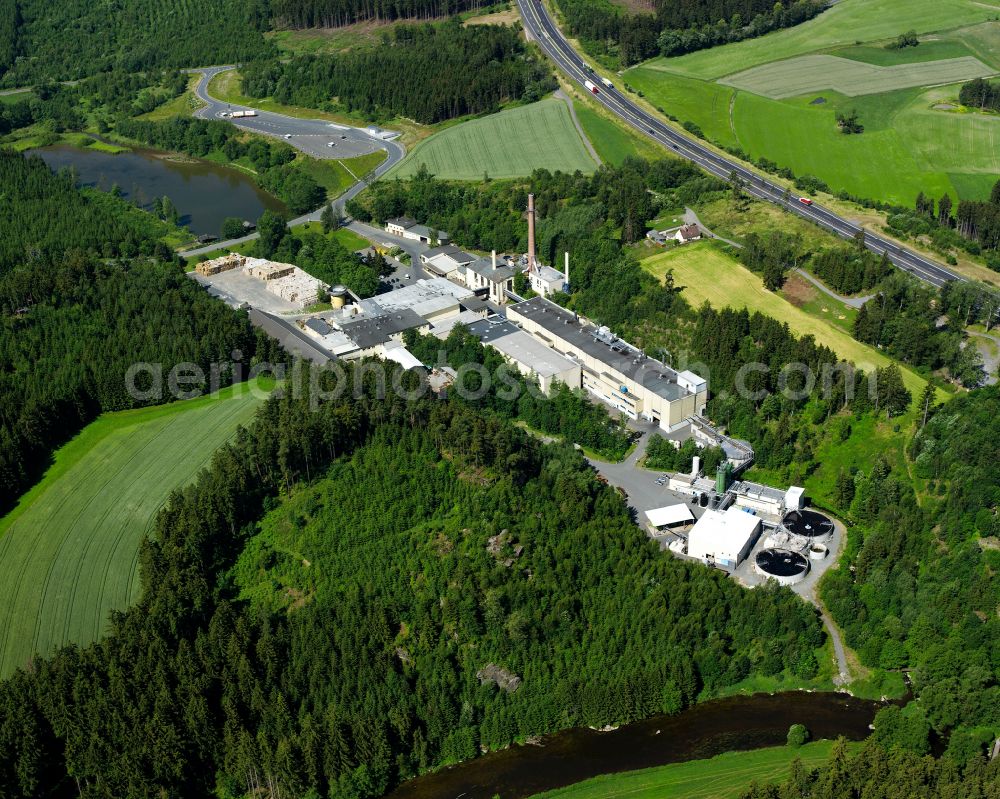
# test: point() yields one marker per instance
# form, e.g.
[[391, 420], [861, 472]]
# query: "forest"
[[981, 94], [336, 13], [73, 39], [86, 290], [880, 772], [677, 26], [925, 579], [44, 215], [428, 73], [370, 621]]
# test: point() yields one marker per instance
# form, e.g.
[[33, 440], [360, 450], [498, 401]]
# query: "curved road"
[[544, 31], [311, 136]]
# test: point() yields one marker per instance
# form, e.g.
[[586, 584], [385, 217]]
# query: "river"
[[203, 193], [705, 730]]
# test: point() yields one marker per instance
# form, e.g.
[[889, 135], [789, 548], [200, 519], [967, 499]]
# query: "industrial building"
[[764, 499], [611, 369], [669, 517], [446, 259], [531, 357], [407, 228], [724, 537], [487, 273], [434, 299]]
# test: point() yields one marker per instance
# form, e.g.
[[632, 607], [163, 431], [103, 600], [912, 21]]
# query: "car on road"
[[288, 135], [805, 201], [331, 144]]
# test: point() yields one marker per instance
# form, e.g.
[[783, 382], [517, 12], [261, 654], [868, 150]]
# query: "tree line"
[[428, 73], [678, 26], [981, 94], [432, 541], [337, 13]]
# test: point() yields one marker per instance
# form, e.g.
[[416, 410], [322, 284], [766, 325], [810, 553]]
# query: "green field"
[[723, 776], [778, 97], [707, 274], [841, 25], [611, 140], [816, 73], [69, 550], [508, 144]]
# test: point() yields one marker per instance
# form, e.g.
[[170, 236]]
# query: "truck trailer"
[[591, 87], [606, 82]]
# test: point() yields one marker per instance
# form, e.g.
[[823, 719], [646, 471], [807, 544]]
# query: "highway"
[[544, 31], [311, 136]]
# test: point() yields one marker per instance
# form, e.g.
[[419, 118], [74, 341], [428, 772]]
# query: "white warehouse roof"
[[669, 514], [723, 536]]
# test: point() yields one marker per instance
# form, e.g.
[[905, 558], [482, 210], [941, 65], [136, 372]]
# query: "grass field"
[[841, 25], [708, 274], [508, 144], [721, 777], [613, 142], [69, 550], [337, 176], [819, 72], [778, 97]]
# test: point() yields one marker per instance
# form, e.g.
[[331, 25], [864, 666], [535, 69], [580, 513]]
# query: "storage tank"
[[782, 565], [338, 297], [723, 477], [808, 524]]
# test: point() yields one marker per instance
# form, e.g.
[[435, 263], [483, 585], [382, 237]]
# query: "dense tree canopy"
[[429, 73], [424, 554]]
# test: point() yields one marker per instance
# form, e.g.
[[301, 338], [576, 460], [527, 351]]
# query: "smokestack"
[[695, 465], [494, 253], [566, 270], [531, 232]]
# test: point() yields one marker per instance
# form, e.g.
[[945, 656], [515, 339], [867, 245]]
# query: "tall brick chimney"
[[531, 232]]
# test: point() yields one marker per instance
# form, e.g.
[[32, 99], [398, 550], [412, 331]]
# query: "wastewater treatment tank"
[[808, 524], [783, 565]]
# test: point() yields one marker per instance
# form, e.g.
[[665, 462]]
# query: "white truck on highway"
[[241, 114], [607, 83], [590, 86]]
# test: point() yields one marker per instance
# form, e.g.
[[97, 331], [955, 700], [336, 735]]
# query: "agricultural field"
[[778, 97], [707, 274], [508, 144], [612, 141], [721, 777], [69, 550]]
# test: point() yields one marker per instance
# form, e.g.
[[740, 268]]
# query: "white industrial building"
[[612, 369], [434, 299], [725, 537], [487, 273], [407, 228], [531, 357], [765, 499]]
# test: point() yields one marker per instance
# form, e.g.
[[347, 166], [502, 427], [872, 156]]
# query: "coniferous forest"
[[338, 644], [428, 73]]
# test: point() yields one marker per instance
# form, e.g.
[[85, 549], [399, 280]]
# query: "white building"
[[612, 369], [546, 281], [686, 233], [670, 516], [446, 259], [764, 499], [724, 538], [434, 299], [407, 228], [486, 273]]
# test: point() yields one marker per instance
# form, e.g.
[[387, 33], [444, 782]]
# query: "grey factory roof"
[[485, 268], [454, 252], [601, 344], [318, 326], [513, 342], [371, 331]]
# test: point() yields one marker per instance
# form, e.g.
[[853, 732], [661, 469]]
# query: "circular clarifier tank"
[[783, 565], [808, 524]]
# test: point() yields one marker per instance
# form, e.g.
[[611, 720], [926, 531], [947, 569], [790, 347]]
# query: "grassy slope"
[[843, 24], [69, 550], [613, 142], [511, 143], [724, 776], [710, 275]]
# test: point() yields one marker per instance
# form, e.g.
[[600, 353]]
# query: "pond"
[[705, 730], [203, 193]]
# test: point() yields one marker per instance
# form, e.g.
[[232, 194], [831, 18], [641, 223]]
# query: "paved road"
[[540, 27], [311, 136], [852, 302]]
